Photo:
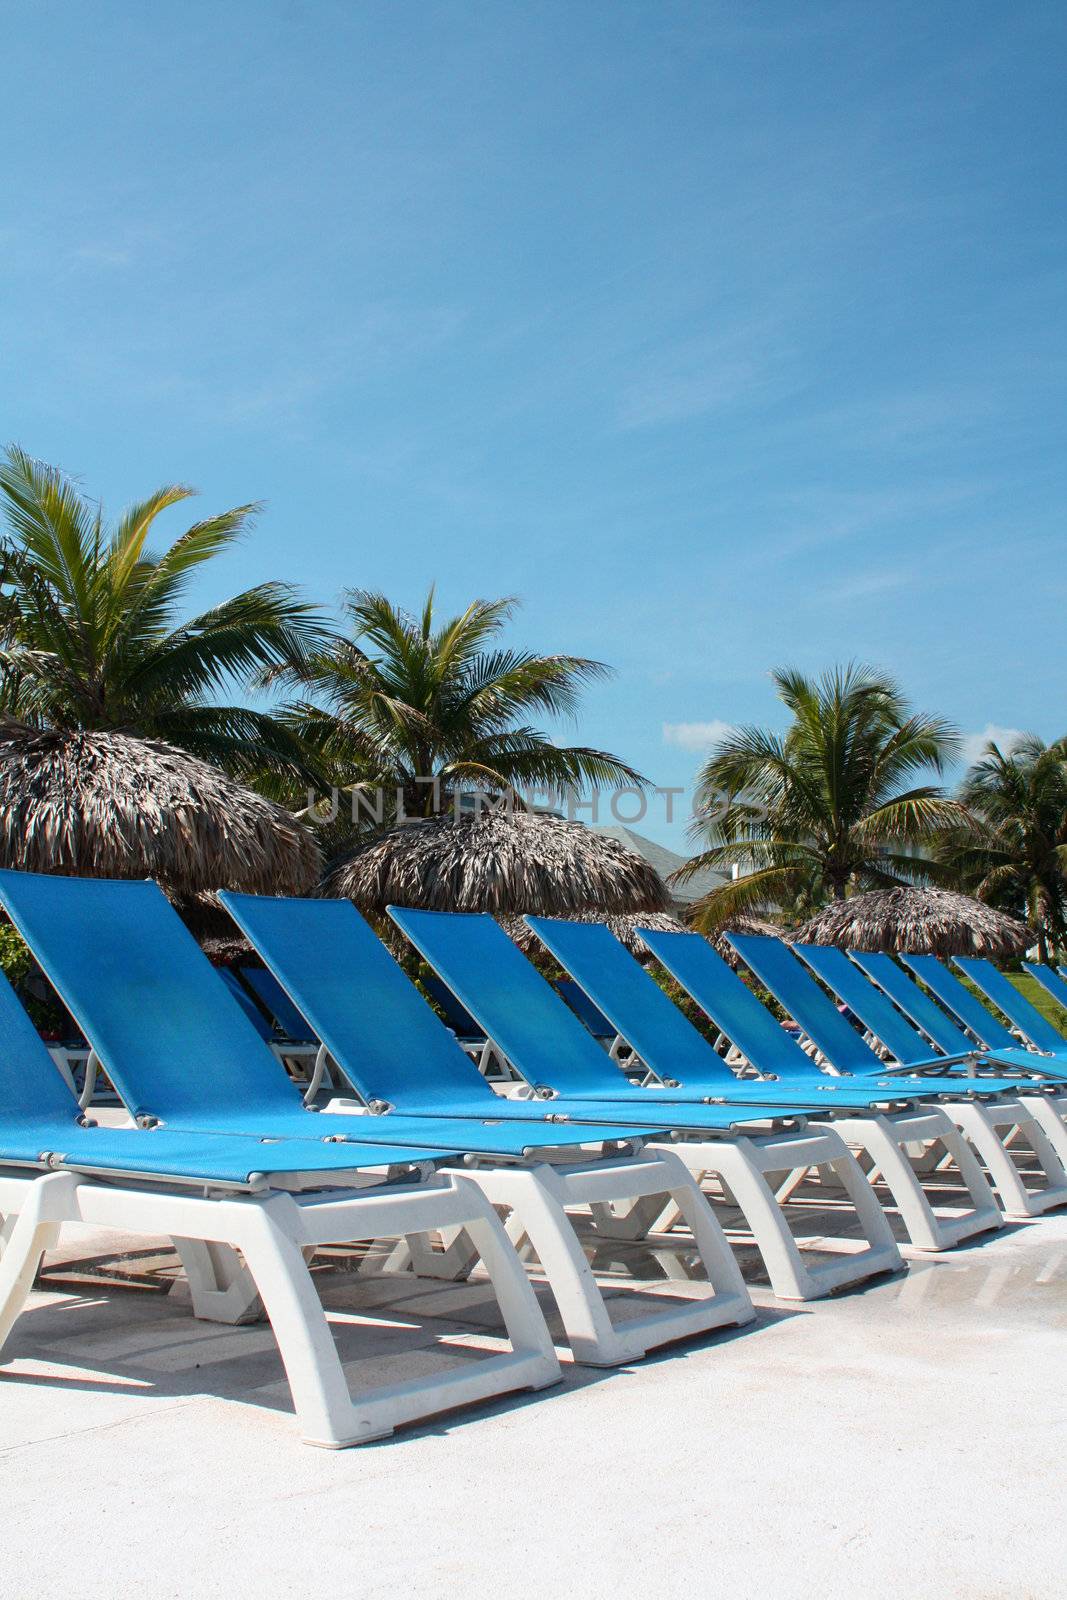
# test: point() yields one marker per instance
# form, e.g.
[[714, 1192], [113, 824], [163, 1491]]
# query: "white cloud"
[[973, 744], [102, 255], [696, 735], [866, 585], [755, 362]]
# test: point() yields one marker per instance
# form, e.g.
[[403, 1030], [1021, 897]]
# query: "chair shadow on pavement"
[[103, 1322]]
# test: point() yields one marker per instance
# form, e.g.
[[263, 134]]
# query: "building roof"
[[665, 862]]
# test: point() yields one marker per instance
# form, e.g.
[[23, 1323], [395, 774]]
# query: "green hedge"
[[17, 964]]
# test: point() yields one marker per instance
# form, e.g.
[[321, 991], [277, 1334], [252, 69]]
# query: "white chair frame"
[[272, 1231], [742, 1164], [538, 1195]]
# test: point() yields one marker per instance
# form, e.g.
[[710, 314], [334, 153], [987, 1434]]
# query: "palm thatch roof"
[[107, 805], [498, 863], [920, 922], [742, 924], [625, 925]]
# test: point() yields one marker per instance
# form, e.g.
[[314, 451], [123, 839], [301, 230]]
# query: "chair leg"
[[1048, 1114], [981, 1122], [220, 1285], [271, 1238], [742, 1164], [274, 1235], [48, 1203], [615, 1220], [313, 1368], [453, 1263], [538, 1198], [786, 1185], [887, 1140]]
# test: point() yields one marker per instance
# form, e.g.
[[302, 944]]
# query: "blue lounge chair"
[[138, 941], [256, 1016], [271, 1202], [997, 987], [942, 1030], [396, 1053], [482, 1051], [907, 995], [980, 1107], [181, 1052], [547, 1044], [276, 1003], [882, 1019], [904, 1017], [670, 1045], [998, 1043], [585, 1009], [1053, 983], [899, 1032], [841, 1045]]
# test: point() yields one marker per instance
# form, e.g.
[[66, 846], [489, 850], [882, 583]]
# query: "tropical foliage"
[[410, 710], [834, 804], [1013, 854], [92, 634], [406, 715]]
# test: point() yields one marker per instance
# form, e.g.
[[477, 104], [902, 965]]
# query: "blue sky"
[[724, 335]]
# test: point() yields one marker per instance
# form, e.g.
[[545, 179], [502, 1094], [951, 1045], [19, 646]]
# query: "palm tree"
[[827, 807], [422, 708], [1017, 858], [91, 635]]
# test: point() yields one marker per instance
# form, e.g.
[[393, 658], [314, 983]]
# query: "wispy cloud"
[[233, 380], [866, 585], [696, 735], [822, 516], [752, 363], [973, 745], [102, 255], [913, 419]]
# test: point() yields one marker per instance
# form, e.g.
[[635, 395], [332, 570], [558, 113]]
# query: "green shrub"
[[15, 958], [17, 964]]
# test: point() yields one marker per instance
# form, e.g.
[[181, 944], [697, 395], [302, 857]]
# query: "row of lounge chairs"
[[399, 1135]]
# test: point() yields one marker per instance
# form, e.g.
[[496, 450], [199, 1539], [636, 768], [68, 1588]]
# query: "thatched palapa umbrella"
[[506, 865], [743, 923], [625, 925], [107, 805], [920, 922]]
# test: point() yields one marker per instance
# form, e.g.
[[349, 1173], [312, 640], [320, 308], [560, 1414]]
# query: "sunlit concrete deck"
[[906, 1439]]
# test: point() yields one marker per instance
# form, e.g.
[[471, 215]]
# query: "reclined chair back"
[[776, 967], [31, 1085], [256, 1017], [146, 996], [632, 1003], [359, 1001], [457, 1017], [519, 1010], [904, 992], [987, 1029], [1015, 1006], [1050, 980], [867, 1002], [584, 1009], [729, 1003], [274, 1000]]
